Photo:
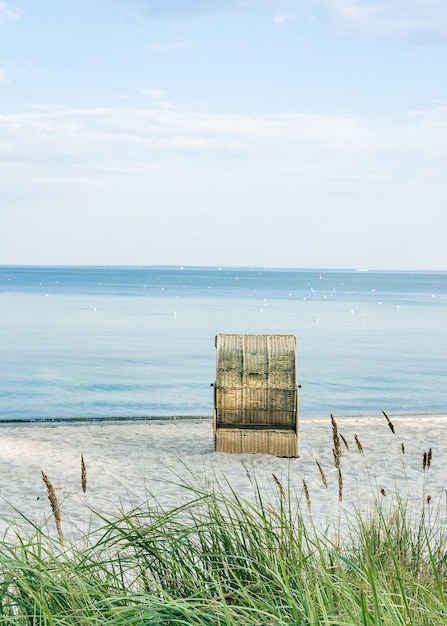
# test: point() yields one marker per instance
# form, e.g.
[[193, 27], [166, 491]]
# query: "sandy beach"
[[129, 463]]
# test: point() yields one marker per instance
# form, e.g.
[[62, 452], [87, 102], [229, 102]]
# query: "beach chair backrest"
[[255, 386]]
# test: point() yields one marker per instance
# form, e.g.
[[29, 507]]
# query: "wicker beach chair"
[[256, 395]]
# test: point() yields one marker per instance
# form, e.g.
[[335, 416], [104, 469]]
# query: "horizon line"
[[214, 267]]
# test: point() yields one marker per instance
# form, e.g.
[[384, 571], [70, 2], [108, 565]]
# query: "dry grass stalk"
[[52, 497], [322, 474], [306, 493], [426, 460], [358, 443], [337, 456], [345, 442], [390, 423], [336, 439], [340, 485], [393, 518], [279, 484], [83, 475]]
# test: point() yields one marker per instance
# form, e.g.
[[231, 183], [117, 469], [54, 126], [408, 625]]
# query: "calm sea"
[[118, 342]]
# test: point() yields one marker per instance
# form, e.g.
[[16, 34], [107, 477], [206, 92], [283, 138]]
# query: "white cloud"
[[426, 132], [7, 14], [152, 176], [4, 76], [157, 94], [158, 97], [389, 17], [279, 19], [104, 135]]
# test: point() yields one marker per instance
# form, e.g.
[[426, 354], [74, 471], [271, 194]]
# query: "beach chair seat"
[[256, 395]]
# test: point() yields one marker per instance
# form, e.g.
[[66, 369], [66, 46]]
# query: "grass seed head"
[[345, 442], [52, 497], [336, 457], [83, 475], [390, 423], [306, 493], [358, 443], [279, 485], [322, 474], [426, 460], [393, 518], [336, 439], [340, 485]]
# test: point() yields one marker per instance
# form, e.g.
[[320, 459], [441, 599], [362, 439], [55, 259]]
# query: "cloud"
[[279, 19], [4, 76], [116, 152], [103, 146], [158, 98], [7, 14], [137, 171], [422, 18], [98, 148]]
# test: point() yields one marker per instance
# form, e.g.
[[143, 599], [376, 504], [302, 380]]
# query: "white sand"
[[128, 463]]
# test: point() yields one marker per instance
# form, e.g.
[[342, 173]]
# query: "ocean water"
[[119, 342]]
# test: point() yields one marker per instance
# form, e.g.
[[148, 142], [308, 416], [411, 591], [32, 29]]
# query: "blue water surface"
[[127, 342]]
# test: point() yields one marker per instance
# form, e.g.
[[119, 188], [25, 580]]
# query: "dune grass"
[[222, 560]]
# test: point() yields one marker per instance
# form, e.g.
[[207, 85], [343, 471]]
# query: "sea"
[[131, 343]]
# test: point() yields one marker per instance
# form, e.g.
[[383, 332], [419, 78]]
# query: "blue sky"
[[279, 133]]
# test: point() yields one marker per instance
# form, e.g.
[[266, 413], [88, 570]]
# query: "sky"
[[257, 133]]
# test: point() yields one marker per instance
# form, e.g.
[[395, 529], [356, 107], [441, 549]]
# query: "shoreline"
[[148, 419]]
